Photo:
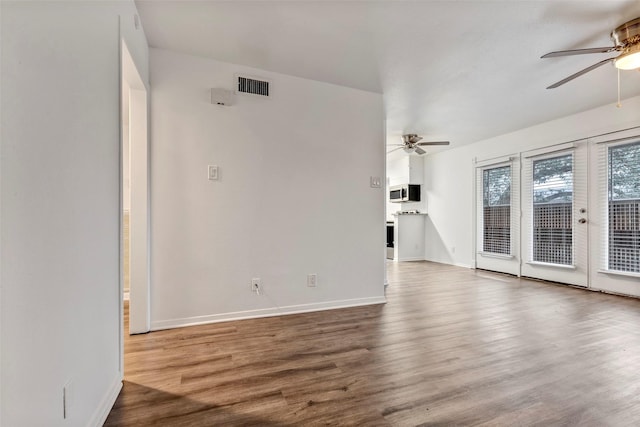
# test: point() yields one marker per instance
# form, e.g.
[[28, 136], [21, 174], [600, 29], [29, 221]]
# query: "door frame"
[[134, 94], [603, 279], [510, 263], [576, 274], [598, 277]]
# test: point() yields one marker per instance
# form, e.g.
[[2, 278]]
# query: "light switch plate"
[[375, 182], [213, 172], [312, 280]]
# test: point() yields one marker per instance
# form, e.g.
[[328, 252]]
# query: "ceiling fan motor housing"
[[410, 138], [627, 34], [627, 39]]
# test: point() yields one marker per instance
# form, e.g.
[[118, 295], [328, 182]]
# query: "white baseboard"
[[459, 264], [101, 414], [267, 312], [411, 259]]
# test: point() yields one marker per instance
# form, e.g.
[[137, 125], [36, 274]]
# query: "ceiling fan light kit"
[[629, 60], [626, 38]]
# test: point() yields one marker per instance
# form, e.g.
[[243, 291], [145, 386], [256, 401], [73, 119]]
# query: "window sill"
[[620, 273], [548, 264], [492, 255]]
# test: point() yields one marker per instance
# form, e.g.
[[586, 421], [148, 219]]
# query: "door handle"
[[582, 220]]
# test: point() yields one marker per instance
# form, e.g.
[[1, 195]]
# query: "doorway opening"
[[134, 239]]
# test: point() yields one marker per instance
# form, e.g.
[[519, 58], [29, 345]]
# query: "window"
[[552, 210], [496, 195], [624, 207]]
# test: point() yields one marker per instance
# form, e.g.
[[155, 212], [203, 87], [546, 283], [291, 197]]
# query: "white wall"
[[449, 175], [293, 196], [60, 208]]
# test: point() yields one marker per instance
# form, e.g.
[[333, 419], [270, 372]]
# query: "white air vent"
[[253, 86]]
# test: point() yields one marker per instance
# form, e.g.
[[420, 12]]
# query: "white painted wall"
[[61, 208], [293, 196], [449, 175]]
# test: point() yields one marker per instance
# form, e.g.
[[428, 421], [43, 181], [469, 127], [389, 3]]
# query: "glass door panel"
[[555, 216]]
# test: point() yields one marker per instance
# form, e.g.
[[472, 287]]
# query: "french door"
[[555, 214], [534, 217]]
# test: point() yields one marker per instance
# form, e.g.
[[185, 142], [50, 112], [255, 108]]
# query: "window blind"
[[496, 215], [623, 207], [552, 188]]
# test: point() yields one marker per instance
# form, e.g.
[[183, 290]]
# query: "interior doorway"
[[134, 197]]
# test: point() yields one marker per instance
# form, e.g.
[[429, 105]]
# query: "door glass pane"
[[552, 210], [624, 207], [496, 185]]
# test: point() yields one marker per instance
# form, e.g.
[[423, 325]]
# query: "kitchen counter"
[[408, 232]]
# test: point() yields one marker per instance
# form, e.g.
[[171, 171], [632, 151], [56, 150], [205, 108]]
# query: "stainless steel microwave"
[[404, 193]]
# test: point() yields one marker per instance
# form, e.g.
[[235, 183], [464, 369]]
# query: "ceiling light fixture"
[[626, 40], [629, 60]]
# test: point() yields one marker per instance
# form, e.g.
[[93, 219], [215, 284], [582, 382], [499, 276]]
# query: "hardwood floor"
[[451, 347]]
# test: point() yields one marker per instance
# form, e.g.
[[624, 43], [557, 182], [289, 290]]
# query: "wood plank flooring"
[[451, 347]]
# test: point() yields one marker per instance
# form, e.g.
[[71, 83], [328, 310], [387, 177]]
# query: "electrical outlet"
[[312, 280], [375, 182], [256, 285]]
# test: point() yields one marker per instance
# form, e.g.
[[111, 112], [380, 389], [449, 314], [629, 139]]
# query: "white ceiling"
[[457, 70]]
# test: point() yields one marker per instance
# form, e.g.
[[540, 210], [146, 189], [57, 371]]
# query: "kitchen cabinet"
[[409, 236]]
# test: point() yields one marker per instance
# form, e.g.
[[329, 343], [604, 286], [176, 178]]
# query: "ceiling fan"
[[626, 39], [411, 144]]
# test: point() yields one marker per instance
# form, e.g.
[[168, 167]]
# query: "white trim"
[[548, 264], [607, 291], [495, 161], [620, 273], [622, 140], [616, 136], [139, 222], [267, 312], [474, 221], [102, 412], [410, 259], [548, 150], [492, 255], [460, 264]]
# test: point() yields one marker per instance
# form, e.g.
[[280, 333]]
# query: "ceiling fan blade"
[[415, 139], [579, 73], [419, 150], [579, 51], [434, 143], [395, 149]]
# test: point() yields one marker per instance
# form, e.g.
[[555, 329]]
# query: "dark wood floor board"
[[451, 347]]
